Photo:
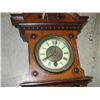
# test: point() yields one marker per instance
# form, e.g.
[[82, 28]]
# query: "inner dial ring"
[[54, 54]]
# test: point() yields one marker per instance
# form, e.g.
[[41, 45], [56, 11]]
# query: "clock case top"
[[67, 24], [50, 21]]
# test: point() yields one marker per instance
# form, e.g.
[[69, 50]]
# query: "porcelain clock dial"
[[54, 53]]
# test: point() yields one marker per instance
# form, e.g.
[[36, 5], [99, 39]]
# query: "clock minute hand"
[[47, 57]]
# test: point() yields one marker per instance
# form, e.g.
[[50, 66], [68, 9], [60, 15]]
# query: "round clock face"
[[54, 53]]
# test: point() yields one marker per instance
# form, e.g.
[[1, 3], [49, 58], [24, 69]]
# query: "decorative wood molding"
[[34, 21], [76, 82]]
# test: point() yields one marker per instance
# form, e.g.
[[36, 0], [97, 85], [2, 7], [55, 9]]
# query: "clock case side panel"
[[74, 71]]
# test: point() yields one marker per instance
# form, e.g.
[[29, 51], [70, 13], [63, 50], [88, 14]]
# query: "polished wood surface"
[[35, 26], [73, 82], [42, 74]]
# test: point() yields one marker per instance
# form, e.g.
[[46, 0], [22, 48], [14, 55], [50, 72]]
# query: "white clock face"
[[54, 53]]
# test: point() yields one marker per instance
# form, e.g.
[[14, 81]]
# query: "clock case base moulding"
[[75, 82]]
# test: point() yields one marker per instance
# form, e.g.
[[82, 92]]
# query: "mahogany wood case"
[[35, 26]]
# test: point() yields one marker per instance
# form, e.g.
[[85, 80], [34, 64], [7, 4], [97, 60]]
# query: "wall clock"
[[53, 53]]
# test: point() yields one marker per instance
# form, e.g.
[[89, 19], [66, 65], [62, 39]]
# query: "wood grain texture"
[[34, 66]]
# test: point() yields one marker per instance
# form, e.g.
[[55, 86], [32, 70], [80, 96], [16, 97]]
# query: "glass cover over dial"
[[54, 53]]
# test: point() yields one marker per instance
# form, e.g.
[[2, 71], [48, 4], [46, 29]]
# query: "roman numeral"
[[64, 58], [42, 53], [63, 47], [65, 52], [54, 42], [47, 43], [61, 63]]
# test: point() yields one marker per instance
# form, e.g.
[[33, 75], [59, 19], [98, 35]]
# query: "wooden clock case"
[[35, 26]]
